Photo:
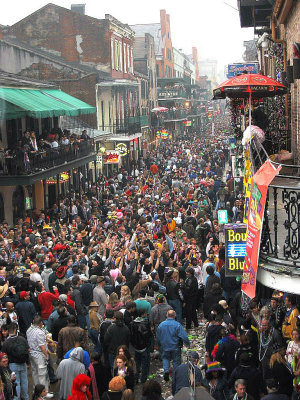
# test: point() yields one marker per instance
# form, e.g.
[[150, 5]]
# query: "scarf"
[[223, 340], [94, 383], [237, 398]]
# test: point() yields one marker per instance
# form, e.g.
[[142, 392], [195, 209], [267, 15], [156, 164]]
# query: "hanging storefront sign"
[[187, 123], [248, 177], [63, 177], [111, 157], [162, 134], [261, 181], [28, 203], [235, 249], [122, 149], [237, 69], [222, 217]]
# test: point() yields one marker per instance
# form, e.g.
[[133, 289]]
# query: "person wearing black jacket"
[[80, 307], [116, 335], [141, 336], [211, 299], [60, 322], [17, 350], [25, 311], [244, 370], [190, 293], [225, 353], [102, 374], [213, 333], [173, 294], [102, 331]]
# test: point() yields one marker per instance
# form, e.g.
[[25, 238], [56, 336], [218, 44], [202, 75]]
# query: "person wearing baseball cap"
[[25, 311], [180, 377]]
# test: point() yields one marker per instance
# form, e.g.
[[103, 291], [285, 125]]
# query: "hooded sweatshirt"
[[45, 276], [68, 370]]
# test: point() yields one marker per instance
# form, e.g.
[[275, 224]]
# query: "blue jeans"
[[142, 360], [176, 305], [168, 356], [22, 380], [93, 335], [111, 359], [83, 321]]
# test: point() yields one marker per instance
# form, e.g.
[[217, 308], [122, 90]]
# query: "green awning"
[[38, 103], [10, 111], [83, 107]]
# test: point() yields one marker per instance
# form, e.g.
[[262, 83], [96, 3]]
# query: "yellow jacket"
[[292, 324]]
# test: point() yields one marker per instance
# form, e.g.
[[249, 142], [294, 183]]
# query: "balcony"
[[23, 169], [279, 266], [255, 13], [128, 126], [195, 111], [175, 115], [144, 120], [171, 93]]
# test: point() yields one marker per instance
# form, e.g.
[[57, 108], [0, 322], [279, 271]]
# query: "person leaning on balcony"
[[290, 319], [43, 145], [84, 135]]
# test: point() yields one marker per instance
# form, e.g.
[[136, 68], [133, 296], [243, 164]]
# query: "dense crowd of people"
[[99, 286]]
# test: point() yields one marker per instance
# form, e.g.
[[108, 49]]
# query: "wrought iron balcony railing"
[[21, 162], [129, 125], [280, 241]]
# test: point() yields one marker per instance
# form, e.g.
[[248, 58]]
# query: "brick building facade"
[[161, 33], [78, 52]]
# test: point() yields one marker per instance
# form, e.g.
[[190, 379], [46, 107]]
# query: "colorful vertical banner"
[[248, 177], [261, 181]]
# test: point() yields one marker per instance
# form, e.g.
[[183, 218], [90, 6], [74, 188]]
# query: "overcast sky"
[[212, 26]]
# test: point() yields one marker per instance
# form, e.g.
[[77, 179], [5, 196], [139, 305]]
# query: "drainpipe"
[[283, 42]]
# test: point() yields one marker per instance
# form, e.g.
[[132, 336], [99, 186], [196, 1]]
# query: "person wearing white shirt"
[[35, 275], [54, 144]]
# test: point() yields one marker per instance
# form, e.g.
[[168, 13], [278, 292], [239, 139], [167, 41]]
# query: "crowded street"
[[139, 273], [150, 201]]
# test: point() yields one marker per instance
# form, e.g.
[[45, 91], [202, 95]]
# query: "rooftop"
[[12, 80], [13, 41], [152, 29]]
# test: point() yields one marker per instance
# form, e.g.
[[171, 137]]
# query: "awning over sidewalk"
[[41, 103]]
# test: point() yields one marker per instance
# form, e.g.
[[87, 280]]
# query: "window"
[[112, 53], [121, 56], [109, 115], [125, 57], [169, 54], [128, 58], [131, 60], [102, 114], [157, 70], [116, 55], [143, 89]]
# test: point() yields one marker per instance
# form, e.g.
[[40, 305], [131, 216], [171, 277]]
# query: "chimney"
[[163, 21], [79, 8]]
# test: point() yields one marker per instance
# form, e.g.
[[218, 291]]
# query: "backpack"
[[19, 350], [140, 335]]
